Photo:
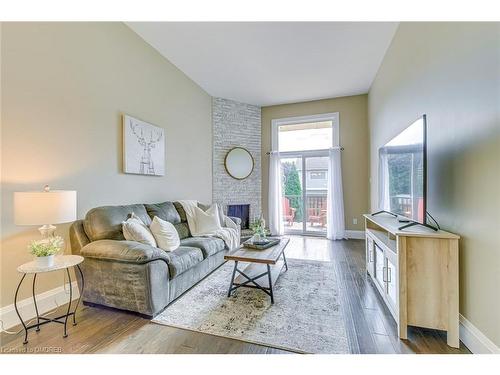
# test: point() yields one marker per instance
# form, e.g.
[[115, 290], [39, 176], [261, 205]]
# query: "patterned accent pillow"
[[183, 230], [181, 212]]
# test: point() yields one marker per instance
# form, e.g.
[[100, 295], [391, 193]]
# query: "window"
[[305, 136], [317, 175]]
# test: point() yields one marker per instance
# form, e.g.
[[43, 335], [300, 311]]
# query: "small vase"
[[45, 262]]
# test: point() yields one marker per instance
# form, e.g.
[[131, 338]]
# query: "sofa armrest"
[[77, 236], [123, 251], [236, 220]]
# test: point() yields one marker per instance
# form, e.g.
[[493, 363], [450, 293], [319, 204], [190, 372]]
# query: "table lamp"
[[45, 208]]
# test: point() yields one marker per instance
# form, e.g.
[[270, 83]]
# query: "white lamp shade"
[[40, 207]]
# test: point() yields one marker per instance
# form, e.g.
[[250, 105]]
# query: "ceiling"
[[267, 63]]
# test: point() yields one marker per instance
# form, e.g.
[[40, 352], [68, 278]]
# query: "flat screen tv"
[[403, 173]]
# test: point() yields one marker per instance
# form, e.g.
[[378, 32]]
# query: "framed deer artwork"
[[143, 147]]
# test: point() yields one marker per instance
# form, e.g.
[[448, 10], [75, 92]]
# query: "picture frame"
[[143, 147]]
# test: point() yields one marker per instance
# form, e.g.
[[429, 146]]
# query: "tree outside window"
[[292, 188]]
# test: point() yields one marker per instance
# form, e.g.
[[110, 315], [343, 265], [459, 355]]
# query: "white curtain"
[[335, 229], [275, 200], [383, 190]]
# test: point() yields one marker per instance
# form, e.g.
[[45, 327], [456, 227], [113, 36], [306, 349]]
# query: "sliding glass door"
[[292, 196], [303, 145], [304, 179], [316, 190]]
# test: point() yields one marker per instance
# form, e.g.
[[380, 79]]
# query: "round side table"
[[61, 262]]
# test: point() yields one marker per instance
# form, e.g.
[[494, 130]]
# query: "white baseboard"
[[355, 234], [475, 340], [45, 301]]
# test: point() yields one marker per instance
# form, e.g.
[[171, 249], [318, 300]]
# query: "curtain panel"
[[335, 229]]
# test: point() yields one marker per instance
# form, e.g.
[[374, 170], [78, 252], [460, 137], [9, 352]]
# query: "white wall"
[[451, 72], [64, 89]]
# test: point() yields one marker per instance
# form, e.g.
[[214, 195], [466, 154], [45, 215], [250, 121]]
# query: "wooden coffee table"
[[266, 264]]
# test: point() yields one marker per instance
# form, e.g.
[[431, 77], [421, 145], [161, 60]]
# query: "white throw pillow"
[[207, 221], [165, 234], [134, 229]]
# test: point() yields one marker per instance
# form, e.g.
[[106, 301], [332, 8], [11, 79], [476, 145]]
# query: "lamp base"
[[47, 230]]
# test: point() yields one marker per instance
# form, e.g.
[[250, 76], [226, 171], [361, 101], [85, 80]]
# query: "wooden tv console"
[[416, 272]]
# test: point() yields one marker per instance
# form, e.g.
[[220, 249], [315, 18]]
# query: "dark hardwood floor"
[[370, 327]]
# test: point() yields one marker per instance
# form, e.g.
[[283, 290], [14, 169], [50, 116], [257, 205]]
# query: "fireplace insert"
[[242, 211]]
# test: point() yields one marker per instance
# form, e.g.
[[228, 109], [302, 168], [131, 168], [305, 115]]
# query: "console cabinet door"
[[380, 267], [392, 281], [370, 256]]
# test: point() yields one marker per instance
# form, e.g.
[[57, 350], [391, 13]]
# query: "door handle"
[[384, 274], [389, 278]]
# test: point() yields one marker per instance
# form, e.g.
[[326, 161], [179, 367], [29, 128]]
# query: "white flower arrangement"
[[258, 226], [46, 247]]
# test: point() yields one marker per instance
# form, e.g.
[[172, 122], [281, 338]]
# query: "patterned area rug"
[[305, 317]]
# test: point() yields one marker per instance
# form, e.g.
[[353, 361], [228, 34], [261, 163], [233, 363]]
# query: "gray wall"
[[64, 88], [236, 124], [451, 72]]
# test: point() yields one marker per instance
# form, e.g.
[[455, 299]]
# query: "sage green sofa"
[[132, 276]]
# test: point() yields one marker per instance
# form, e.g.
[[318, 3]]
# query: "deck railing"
[[315, 209]]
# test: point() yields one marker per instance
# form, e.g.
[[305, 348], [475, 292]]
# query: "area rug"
[[305, 316]]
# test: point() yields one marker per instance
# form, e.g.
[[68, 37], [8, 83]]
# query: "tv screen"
[[402, 173]]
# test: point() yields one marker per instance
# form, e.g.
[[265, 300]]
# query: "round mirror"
[[239, 163]]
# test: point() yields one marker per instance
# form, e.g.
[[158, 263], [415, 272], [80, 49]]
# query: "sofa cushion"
[[182, 259], [179, 261], [105, 223], [123, 251], [208, 245], [165, 211]]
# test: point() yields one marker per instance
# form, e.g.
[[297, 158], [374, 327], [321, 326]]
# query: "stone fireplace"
[[236, 125]]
